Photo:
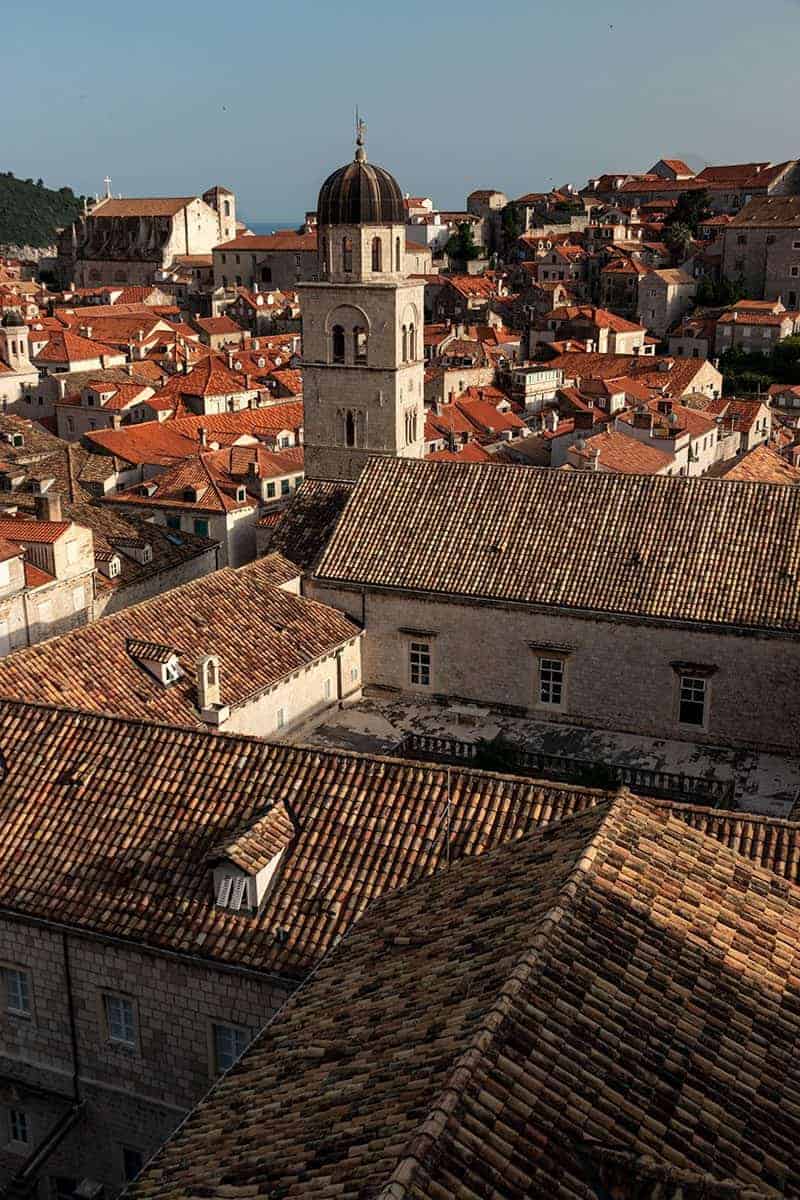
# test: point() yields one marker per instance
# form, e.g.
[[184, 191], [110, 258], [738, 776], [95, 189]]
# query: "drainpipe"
[[73, 1031]]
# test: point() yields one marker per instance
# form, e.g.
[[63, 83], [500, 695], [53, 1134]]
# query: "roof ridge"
[[424, 1141]]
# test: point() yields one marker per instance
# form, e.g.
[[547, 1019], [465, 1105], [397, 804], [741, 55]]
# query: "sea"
[[267, 227]]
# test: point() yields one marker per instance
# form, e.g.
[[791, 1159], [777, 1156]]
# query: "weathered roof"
[[308, 521], [145, 805], [608, 1002], [261, 633], [678, 549], [769, 212], [150, 206]]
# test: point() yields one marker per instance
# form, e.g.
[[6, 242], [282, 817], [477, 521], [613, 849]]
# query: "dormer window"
[[241, 494], [244, 868], [156, 659], [232, 891]]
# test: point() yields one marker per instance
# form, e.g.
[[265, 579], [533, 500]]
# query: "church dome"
[[360, 194]]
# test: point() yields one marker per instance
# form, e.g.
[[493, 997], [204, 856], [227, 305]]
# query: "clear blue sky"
[[170, 96]]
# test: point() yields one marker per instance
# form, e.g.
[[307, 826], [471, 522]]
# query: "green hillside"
[[30, 213]]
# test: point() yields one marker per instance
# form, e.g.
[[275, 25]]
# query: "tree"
[[692, 208], [679, 239], [460, 245], [511, 227]]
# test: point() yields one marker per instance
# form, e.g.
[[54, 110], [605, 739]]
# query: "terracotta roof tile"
[[602, 1008], [542, 537]]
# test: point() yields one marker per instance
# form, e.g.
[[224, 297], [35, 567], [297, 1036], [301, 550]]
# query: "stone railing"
[[666, 785]]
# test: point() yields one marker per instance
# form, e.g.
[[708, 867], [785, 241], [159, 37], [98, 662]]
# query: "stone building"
[[761, 245], [664, 298], [131, 240], [46, 575], [276, 657], [363, 359], [576, 597], [18, 375], [277, 260]]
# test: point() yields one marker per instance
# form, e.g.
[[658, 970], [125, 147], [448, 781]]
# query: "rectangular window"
[[18, 991], [120, 1020], [270, 491], [794, 271], [201, 527], [285, 487], [692, 708], [18, 1128], [173, 522], [230, 1041], [551, 682], [420, 664], [353, 674], [327, 689], [795, 245], [280, 718], [132, 1163], [77, 599]]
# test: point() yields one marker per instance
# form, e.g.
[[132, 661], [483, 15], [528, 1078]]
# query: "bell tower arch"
[[363, 370]]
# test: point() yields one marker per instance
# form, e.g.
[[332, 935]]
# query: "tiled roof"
[[676, 375], [599, 317], [737, 173], [472, 285], [763, 465], [619, 452], [18, 529], [151, 206], [308, 521], [606, 1008], [210, 377], [260, 632], [151, 442], [769, 212], [70, 347], [258, 844], [290, 379], [472, 452], [201, 483], [217, 325], [238, 460], [285, 239], [695, 550]]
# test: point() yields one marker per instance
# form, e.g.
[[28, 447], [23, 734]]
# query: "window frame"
[[419, 663], [19, 1121], [229, 1027], [546, 662], [24, 973], [120, 1043], [687, 682]]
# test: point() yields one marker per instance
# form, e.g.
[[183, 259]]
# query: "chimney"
[[231, 357], [203, 435], [550, 419], [592, 460], [48, 507], [209, 701], [665, 406], [643, 418]]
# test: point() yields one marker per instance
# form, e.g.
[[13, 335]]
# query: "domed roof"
[[360, 194]]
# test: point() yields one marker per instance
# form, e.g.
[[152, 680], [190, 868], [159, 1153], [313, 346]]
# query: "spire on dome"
[[361, 129]]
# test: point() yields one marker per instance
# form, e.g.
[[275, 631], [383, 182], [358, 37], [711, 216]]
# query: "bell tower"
[[363, 371]]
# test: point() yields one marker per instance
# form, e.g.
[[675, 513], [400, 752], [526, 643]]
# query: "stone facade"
[[664, 297], [363, 368], [768, 259], [619, 674], [131, 1096]]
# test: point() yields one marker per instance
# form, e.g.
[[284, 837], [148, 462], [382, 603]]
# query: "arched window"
[[414, 427], [397, 254], [412, 343], [349, 429], [360, 344], [337, 340], [347, 254], [377, 254], [227, 205], [324, 256], [405, 344]]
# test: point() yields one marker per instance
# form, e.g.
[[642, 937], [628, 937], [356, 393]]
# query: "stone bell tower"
[[363, 372]]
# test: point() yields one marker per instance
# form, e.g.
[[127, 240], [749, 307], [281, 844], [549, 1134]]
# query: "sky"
[[170, 97]]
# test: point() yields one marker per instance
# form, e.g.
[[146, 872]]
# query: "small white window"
[[327, 689], [551, 682], [78, 599], [120, 1020], [420, 664], [18, 1128], [230, 1042], [692, 701], [18, 992], [353, 674], [280, 718]]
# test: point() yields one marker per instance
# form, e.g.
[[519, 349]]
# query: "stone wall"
[[619, 674], [132, 1097]]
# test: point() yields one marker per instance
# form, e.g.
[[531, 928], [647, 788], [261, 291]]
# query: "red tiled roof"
[[151, 206], [204, 475], [217, 325], [17, 529], [69, 347], [625, 454], [285, 239]]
